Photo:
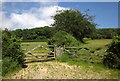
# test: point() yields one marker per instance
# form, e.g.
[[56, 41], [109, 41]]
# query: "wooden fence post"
[[54, 51], [64, 47]]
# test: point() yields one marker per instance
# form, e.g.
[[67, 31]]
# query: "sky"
[[22, 15]]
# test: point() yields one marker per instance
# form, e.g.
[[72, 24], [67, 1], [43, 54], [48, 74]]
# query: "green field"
[[92, 51], [97, 49], [98, 43], [27, 46]]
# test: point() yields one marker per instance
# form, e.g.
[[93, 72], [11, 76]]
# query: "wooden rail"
[[54, 52], [46, 56]]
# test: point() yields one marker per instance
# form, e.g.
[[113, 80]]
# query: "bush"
[[112, 59], [64, 57], [62, 38], [12, 54], [9, 65]]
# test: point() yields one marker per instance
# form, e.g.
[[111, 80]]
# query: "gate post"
[[59, 51], [54, 51]]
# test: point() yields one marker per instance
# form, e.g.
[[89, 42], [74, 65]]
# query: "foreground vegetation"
[[12, 55]]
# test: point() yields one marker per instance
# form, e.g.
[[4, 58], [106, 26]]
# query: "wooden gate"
[[41, 53]]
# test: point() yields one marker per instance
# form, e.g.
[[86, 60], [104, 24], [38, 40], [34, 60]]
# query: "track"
[[57, 70]]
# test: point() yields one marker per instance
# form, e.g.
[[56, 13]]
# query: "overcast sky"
[[21, 15]]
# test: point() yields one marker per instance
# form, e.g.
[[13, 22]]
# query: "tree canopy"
[[35, 34], [73, 22]]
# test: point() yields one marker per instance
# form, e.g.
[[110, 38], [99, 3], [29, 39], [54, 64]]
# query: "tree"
[[18, 33], [34, 34], [105, 33], [74, 22]]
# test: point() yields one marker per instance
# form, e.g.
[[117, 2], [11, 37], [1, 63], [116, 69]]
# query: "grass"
[[93, 67], [92, 57], [89, 59], [34, 43], [95, 44], [43, 49], [28, 46], [12, 73], [97, 49]]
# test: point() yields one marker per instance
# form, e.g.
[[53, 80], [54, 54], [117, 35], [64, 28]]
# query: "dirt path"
[[57, 70]]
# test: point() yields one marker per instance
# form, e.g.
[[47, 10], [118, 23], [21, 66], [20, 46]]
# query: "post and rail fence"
[[54, 52]]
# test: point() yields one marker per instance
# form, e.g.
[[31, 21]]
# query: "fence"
[[39, 52]]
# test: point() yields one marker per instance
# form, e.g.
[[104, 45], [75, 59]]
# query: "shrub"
[[64, 57], [112, 59], [12, 54], [9, 65], [63, 38]]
